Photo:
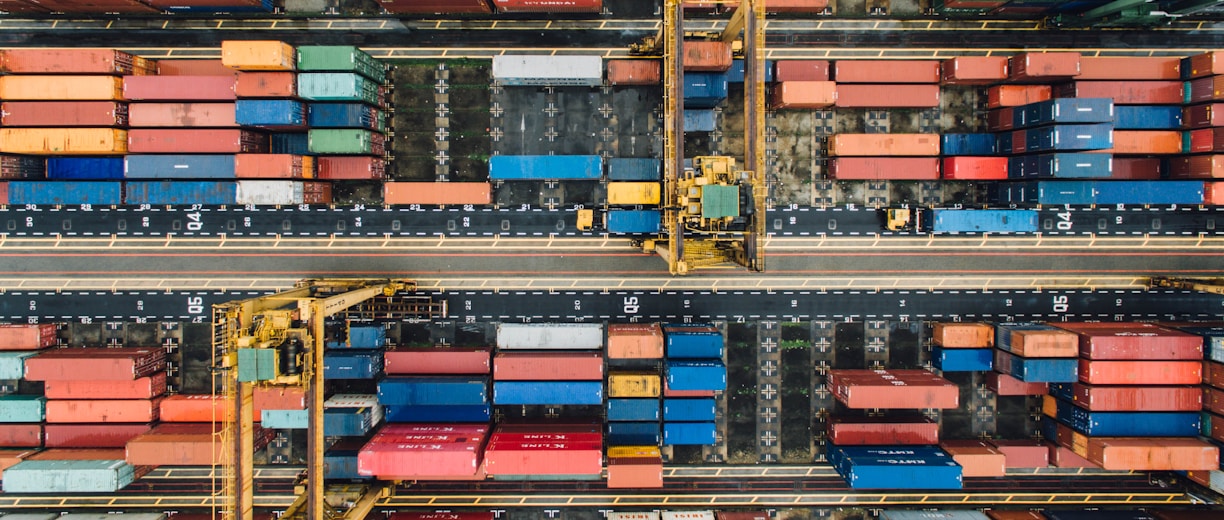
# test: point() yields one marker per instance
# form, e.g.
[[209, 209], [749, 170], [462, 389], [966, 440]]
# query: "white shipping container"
[[357, 401], [646, 515], [270, 192], [688, 515], [550, 336], [583, 71]]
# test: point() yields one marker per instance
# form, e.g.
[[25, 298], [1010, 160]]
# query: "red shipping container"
[[182, 115], [63, 113], [544, 458], [356, 168], [548, 6], [997, 514], [1140, 372], [273, 166], [532, 428], [1019, 141], [1001, 119], [1213, 373], [963, 335], [1003, 384], [102, 410], [179, 88], [1138, 398], [438, 360], [975, 168], [804, 94], [707, 56], [548, 366], [316, 192], [266, 85], [1213, 193], [667, 392], [10, 458], [866, 145], [635, 473], [1197, 167], [1125, 92], [1136, 168], [886, 71], [892, 389], [1036, 67], [1016, 95], [93, 435], [279, 398], [436, 6], [1206, 64], [1203, 116], [198, 141], [876, 431], [74, 61], [1148, 68], [20, 7], [1205, 140], [977, 458], [1063, 457], [4, 193], [1205, 89], [1137, 341], [96, 6], [634, 72], [196, 409], [427, 458], [973, 70], [1145, 454], [1145, 142], [1213, 400], [801, 70], [887, 96], [635, 341], [21, 435], [1023, 453], [141, 388], [27, 337], [884, 168], [189, 67], [95, 364], [461, 515]]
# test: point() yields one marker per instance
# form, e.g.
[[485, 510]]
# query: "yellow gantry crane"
[[278, 340]]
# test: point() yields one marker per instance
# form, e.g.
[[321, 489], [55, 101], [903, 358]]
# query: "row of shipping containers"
[[138, 7], [576, 6]]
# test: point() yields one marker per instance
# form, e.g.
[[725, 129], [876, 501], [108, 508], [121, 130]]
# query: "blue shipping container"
[[270, 113], [294, 144], [1003, 337], [979, 220], [22, 408], [84, 168], [440, 413], [962, 359], [12, 364], [1031, 370], [1147, 117], [1066, 110], [1213, 341], [1003, 143], [634, 169], [545, 167], [735, 74], [548, 392], [181, 192], [700, 121], [68, 192], [363, 337], [1128, 424], [634, 221], [708, 374], [179, 167], [352, 364], [341, 464], [634, 434], [704, 89], [1061, 166], [68, 476], [968, 144], [633, 409], [1049, 192], [690, 433], [342, 115], [336, 86], [693, 345], [1149, 192], [895, 467], [433, 391], [1048, 427], [1069, 138], [699, 409], [347, 421]]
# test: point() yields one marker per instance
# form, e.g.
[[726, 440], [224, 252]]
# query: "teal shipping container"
[[337, 86], [339, 58], [22, 409], [12, 364], [68, 476], [284, 419], [345, 142]]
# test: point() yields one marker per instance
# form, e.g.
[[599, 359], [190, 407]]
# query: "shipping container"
[[704, 89], [884, 145], [692, 341], [634, 473], [1098, 514], [273, 166], [102, 410], [687, 515], [886, 71], [61, 88], [962, 335], [61, 168], [184, 444], [1205, 64], [279, 398], [179, 167], [1129, 424], [63, 113], [345, 115], [534, 458], [63, 141], [561, 70], [801, 70], [1001, 119], [967, 144], [266, 85], [180, 192], [27, 336], [1147, 68], [1147, 117], [1149, 192], [620, 410], [280, 114], [337, 86], [735, 74], [437, 360], [635, 341], [696, 375], [1125, 92], [196, 141], [896, 467], [12, 364], [339, 58], [547, 392], [438, 391], [1203, 140], [1132, 398], [92, 435], [545, 167], [17, 435], [633, 221], [192, 67], [213, 6], [1063, 111], [1213, 373], [550, 366], [1140, 372], [973, 70], [352, 365], [1006, 385], [690, 433], [340, 460], [634, 193], [1136, 341], [1147, 142], [804, 95], [404, 450], [430, 413], [1063, 457], [354, 421], [892, 389], [689, 409], [179, 88], [1023, 453], [887, 96], [633, 384], [548, 6], [706, 56], [79, 192], [182, 115], [96, 364], [635, 169], [976, 458], [884, 168], [257, 55], [1069, 138], [22, 167], [550, 336], [74, 61], [1038, 67], [889, 514], [435, 6], [1061, 166], [367, 168], [183, 408], [1197, 167], [1137, 168], [882, 431], [634, 72], [1203, 90], [344, 142], [68, 476], [962, 359], [1034, 370], [1016, 95], [1152, 454], [940, 220]]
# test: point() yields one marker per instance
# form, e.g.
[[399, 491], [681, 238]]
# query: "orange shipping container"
[[1016, 95], [1125, 92], [1140, 372], [892, 389], [437, 193], [63, 141], [977, 458], [635, 341], [886, 71], [963, 335], [1213, 193], [193, 68], [635, 473], [973, 70], [1206, 64], [887, 96], [707, 56], [273, 166], [1146, 142], [182, 115], [102, 411], [882, 168], [1130, 68], [975, 168], [634, 72], [884, 145], [10, 458], [1197, 167], [74, 61], [78, 454], [998, 514], [266, 84], [278, 398], [183, 445], [61, 88], [258, 55], [196, 409], [1142, 454], [1043, 66], [27, 337], [548, 366], [1044, 343], [804, 94]]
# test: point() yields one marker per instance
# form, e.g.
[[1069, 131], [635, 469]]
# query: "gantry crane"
[[703, 223], [278, 340]]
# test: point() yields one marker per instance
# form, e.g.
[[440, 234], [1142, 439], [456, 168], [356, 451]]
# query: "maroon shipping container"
[[1203, 116], [74, 61], [201, 141], [183, 115], [544, 458], [548, 366], [548, 6], [1196, 167], [436, 6], [1138, 398], [356, 168], [1019, 141], [169, 4], [1023, 453], [27, 337], [1140, 372], [22, 167], [179, 88], [93, 435], [1125, 92], [20, 7], [1213, 400], [189, 67], [63, 113], [96, 6], [886, 71], [887, 96], [1206, 140], [1001, 119], [439, 360], [1213, 373], [1201, 90], [634, 72], [141, 388], [102, 410], [884, 168], [741, 515], [973, 70], [21, 435], [1136, 168], [1038, 67], [801, 70], [892, 389], [875, 431], [4, 198], [95, 364], [975, 168], [1138, 341], [1003, 384], [1206, 64], [316, 192]]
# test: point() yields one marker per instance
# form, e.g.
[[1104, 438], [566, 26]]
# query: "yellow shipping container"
[[631, 384], [633, 452], [258, 55], [308, 167], [634, 193], [60, 88], [1049, 406], [63, 141]]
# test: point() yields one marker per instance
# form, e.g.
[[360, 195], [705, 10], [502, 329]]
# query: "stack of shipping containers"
[[21, 413], [694, 363], [966, 347], [1203, 119], [346, 111], [802, 84], [634, 348], [867, 85], [1212, 417]]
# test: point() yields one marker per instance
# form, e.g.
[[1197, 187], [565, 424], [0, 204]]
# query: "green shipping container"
[[284, 419], [719, 201], [340, 58], [337, 86], [22, 408], [68, 476], [345, 141], [12, 364], [256, 364]]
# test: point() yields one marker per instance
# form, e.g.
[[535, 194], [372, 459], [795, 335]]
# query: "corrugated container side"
[[1006, 385], [548, 6], [433, 391], [633, 221], [1023, 453], [93, 435], [892, 389], [1147, 117], [27, 336], [549, 336], [887, 96], [182, 115], [74, 61], [273, 166], [887, 71], [635, 341], [509, 69], [633, 384], [258, 55], [61, 88], [524, 167], [180, 192], [634, 72], [180, 167], [1140, 372], [977, 458], [963, 335], [95, 363], [804, 94], [973, 70], [15, 408], [63, 113], [436, 7], [551, 366], [690, 433], [21, 435], [884, 168], [266, 85], [707, 56], [179, 88], [1032, 370], [437, 361], [1153, 454], [63, 141], [975, 168], [1037, 67], [102, 410], [1016, 95], [547, 392], [1129, 68], [195, 141], [961, 359], [880, 431], [884, 144], [801, 70], [634, 169]]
